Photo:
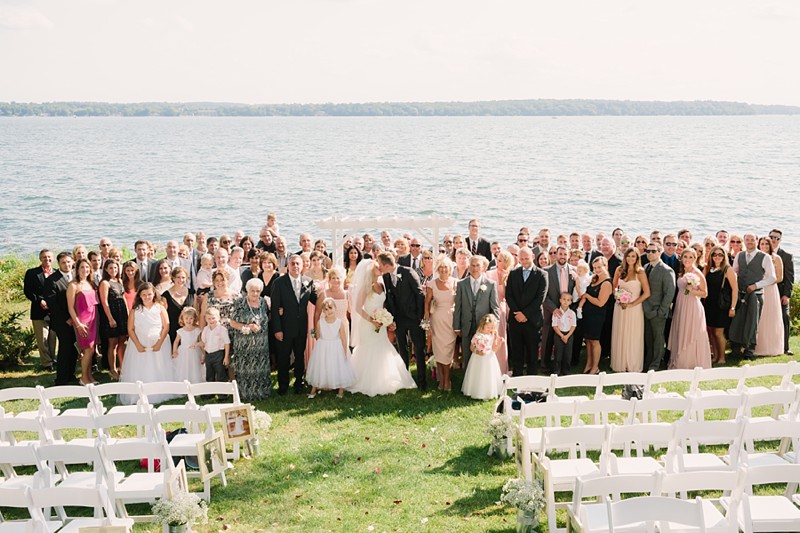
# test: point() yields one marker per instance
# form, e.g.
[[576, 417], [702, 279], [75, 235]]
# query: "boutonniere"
[[482, 287], [307, 285], [399, 276]]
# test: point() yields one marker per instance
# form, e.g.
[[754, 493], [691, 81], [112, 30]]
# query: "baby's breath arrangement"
[[525, 496], [183, 508]]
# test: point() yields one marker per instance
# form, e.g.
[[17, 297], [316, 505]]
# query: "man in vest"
[[755, 271]]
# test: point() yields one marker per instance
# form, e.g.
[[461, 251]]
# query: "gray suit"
[[552, 302], [657, 309], [471, 308]]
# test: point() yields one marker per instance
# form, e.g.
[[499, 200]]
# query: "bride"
[[378, 367]]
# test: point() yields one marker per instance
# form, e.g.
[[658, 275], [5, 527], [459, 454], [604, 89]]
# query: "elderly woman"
[[440, 298], [249, 320]]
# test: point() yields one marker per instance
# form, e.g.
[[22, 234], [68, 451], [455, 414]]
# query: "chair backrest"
[[733, 375], [681, 378], [677, 483], [576, 439], [175, 388], [10, 426], [779, 401], [194, 419], [19, 455], [547, 414], [114, 451], [715, 406], [594, 490], [229, 388], [115, 388], [688, 434], [605, 411], [638, 438], [660, 409], [778, 371], [543, 384], [54, 425], [94, 497], [650, 509], [21, 394], [573, 381], [66, 392], [773, 474], [617, 379], [138, 419], [57, 456]]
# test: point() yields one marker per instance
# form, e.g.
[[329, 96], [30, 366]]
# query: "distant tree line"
[[487, 108]]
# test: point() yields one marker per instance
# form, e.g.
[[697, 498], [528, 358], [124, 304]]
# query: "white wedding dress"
[[379, 368]]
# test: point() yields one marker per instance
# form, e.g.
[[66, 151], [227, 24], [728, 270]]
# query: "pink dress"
[[443, 338], [688, 340], [770, 326], [86, 309], [502, 351]]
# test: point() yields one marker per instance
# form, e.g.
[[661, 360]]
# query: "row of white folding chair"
[[589, 510], [40, 500]]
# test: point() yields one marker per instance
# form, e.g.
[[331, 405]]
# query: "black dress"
[[174, 312], [593, 316], [716, 317], [119, 310]]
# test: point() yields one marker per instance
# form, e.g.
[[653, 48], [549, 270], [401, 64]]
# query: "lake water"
[[73, 180]]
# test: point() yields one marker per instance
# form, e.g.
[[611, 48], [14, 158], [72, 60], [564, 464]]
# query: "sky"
[[314, 51]]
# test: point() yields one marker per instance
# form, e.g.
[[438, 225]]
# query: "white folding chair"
[[534, 417], [19, 430], [517, 384], [137, 487], [636, 438], [646, 511], [661, 409], [115, 425], [25, 402], [178, 389], [559, 475], [768, 405], [60, 429], [57, 457], [109, 393], [684, 453], [562, 389], [199, 427], [715, 406], [717, 380], [588, 512], [620, 379], [785, 432], [679, 378], [15, 456], [603, 411], [68, 394], [95, 497], [218, 388], [770, 512], [780, 373], [20, 498], [727, 483]]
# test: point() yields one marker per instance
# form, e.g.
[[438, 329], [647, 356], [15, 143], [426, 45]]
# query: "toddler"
[[204, 273], [582, 281], [186, 354], [216, 345]]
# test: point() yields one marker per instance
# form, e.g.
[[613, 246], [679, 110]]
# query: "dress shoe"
[[789, 352]]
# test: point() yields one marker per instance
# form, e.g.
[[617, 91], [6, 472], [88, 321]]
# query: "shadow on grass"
[[472, 461]]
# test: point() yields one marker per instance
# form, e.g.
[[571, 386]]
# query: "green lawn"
[[410, 461]]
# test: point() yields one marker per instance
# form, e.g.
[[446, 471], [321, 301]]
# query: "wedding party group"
[[221, 308]]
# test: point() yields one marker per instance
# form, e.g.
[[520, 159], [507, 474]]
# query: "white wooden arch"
[[426, 226]]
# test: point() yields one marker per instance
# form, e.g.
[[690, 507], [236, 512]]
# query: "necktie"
[[414, 263], [648, 269], [525, 274], [564, 282], [474, 247], [296, 287], [749, 257], [474, 286]]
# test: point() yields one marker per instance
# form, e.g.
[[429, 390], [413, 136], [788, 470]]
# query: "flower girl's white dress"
[[329, 367], [482, 380]]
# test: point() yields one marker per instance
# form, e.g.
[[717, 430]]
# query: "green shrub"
[[794, 310], [15, 342], [12, 274]]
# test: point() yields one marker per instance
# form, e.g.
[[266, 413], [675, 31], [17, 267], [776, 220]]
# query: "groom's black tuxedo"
[[406, 302], [55, 294], [525, 296], [290, 317]]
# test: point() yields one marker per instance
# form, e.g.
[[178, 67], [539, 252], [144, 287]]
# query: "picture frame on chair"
[[237, 423], [103, 529], [211, 456], [178, 481]]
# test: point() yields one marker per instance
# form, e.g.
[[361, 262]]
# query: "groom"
[[406, 302]]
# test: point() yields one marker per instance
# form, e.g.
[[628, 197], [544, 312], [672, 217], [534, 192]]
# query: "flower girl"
[[186, 354], [482, 380], [329, 366]]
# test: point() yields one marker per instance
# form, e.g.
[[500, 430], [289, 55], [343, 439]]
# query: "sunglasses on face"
[[641, 242], [651, 251], [416, 245], [773, 237], [448, 242], [717, 254], [736, 242], [672, 244]]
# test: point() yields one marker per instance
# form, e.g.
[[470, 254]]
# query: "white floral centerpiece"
[[499, 428], [528, 498], [180, 512]]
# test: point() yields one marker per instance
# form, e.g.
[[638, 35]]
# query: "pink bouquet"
[[481, 343], [623, 296], [692, 282], [383, 317]]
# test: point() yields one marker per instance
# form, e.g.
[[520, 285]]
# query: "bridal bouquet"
[[383, 317], [481, 343], [623, 296], [692, 282]]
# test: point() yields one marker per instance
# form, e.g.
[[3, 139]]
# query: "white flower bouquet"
[[184, 508], [500, 428], [261, 422], [383, 317], [692, 282], [527, 497]]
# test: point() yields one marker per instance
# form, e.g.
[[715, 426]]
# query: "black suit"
[[523, 337], [290, 317], [484, 247], [614, 263], [590, 256], [785, 289], [55, 294], [33, 286], [406, 302]]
